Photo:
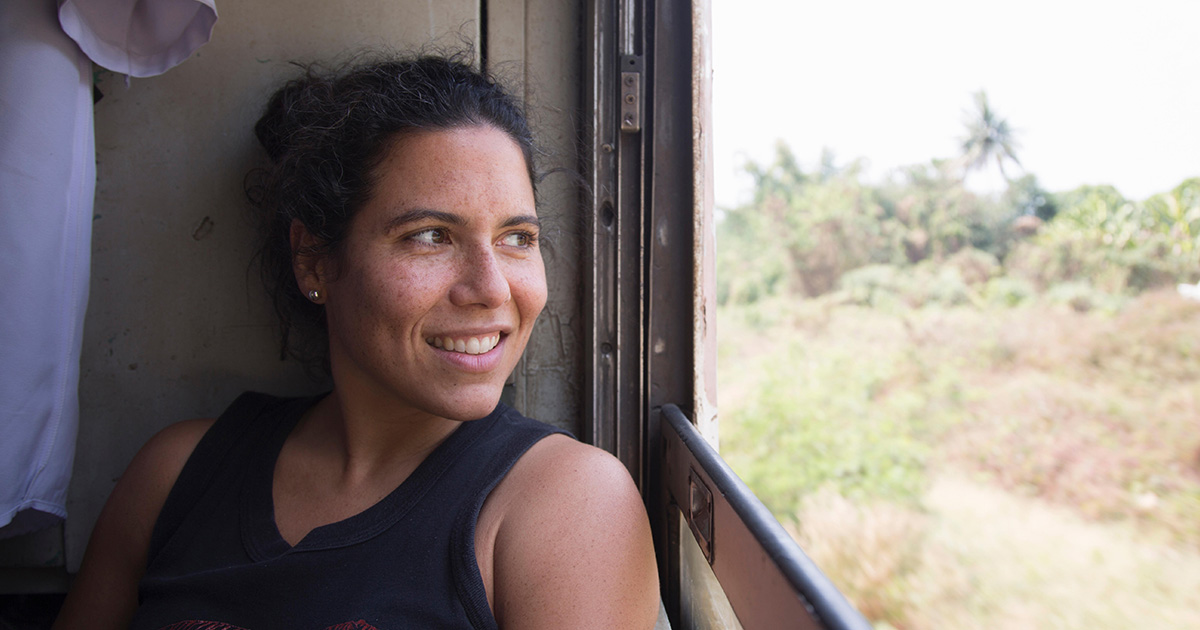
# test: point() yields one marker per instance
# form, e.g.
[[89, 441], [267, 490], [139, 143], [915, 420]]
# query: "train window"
[[725, 562], [958, 327]]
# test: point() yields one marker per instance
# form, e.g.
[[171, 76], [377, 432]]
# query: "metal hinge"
[[631, 94]]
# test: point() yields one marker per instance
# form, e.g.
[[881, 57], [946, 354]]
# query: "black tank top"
[[218, 562]]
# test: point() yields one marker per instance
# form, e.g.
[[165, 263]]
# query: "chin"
[[472, 405]]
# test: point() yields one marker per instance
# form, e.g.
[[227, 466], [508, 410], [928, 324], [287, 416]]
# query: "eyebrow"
[[426, 214], [422, 214], [523, 219]]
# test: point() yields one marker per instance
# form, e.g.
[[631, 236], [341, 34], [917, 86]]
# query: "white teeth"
[[470, 345]]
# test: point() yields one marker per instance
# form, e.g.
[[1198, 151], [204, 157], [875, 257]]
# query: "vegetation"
[[988, 137], [913, 376], [803, 232]]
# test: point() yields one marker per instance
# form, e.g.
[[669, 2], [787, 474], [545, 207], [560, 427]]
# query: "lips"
[[465, 345]]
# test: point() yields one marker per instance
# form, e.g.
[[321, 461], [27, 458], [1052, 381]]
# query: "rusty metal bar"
[[613, 292]]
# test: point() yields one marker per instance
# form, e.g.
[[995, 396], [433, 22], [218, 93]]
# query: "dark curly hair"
[[326, 132]]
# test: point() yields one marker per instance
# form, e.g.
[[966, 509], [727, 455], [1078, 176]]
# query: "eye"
[[519, 239], [431, 236]]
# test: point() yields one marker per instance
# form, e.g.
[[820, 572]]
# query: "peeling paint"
[[704, 324]]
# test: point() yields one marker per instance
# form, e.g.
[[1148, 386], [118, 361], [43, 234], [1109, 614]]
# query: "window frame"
[[649, 314]]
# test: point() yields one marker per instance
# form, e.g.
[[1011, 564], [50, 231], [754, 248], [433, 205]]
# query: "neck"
[[368, 437]]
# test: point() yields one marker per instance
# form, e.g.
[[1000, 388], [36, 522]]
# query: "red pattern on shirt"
[[194, 624]]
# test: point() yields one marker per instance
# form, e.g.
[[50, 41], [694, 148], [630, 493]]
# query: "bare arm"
[[104, 593], [574, 548]]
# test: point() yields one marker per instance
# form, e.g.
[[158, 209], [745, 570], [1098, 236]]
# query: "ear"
[[307, 262]]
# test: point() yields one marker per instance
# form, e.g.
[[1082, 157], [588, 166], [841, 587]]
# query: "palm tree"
[[988, 136]]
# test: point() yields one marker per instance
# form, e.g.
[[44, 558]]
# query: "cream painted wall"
[[177, 324]]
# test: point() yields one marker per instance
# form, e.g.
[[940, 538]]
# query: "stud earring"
[[314, 295]]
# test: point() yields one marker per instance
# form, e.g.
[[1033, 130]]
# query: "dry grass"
[[975, 556], [878, 554], [1097, 413], [1034, 564], [1063, 476]]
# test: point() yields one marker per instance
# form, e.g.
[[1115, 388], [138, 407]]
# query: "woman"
[[402, 241]]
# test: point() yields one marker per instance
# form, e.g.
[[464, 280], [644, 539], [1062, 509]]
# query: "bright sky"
[[1098, 92]]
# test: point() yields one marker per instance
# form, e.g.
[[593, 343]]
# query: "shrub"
[[797, 424], [1082, 297], [974, 266], [887, 287], [872, 551], [872, 285], [1009, 291], [945, 286]]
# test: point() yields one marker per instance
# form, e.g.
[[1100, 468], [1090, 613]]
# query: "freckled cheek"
[[425, 284], [397, 295], [529, 288]]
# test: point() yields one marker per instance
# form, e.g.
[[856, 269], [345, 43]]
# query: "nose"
[[481, 280]]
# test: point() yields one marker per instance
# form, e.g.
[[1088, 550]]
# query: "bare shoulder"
[[161, 459], [560, 464], [140, 493], [573, 545], [104, 594]]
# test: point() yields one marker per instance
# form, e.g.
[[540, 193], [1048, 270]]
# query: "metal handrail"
[[768, 579]]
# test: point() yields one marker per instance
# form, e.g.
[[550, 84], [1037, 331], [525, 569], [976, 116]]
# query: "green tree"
[[1026, 197], [1177, 216], [939, 216], [989, 137], [802, 230], [1114, 244]]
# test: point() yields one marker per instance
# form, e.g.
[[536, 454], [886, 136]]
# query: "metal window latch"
[[631, 94], [700, 513]]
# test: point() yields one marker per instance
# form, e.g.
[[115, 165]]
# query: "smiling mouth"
[[465, 345]]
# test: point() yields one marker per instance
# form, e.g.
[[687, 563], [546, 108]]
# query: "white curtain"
[[47, 180]]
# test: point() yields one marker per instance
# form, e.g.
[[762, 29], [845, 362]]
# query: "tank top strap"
[[231, 428], [495, 455]]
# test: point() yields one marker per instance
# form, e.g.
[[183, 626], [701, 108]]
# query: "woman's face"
[[440, 278]]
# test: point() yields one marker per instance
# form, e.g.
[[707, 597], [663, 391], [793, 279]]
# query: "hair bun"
[[285, 117]]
